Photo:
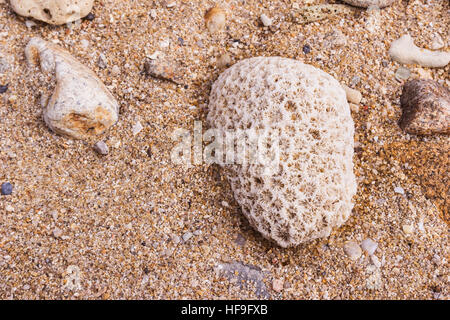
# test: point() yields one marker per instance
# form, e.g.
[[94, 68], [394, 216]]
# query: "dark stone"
[[3, 89], [306, 49], [426, 108], [6, 188]]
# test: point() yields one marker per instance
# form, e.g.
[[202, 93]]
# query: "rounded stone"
[[368, 3], [6, 188], [352, 250]]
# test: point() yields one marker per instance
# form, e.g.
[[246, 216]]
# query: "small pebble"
[[137, 128], [215, 19], [277, 285], [369, 246], [399, 190], [6, 188], [306, 49], [30, 24], [352, 250], [187, 236], [102, 61], [408, 229], [101, 148], [9, 208], [90, 16], [402, 73], [437, 42], [353, 96], [3, 89], [354, 107], [197, 232], [115, 70], [223, 61], [266, 21]]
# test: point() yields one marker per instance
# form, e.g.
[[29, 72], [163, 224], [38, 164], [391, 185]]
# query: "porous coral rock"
[[309, 191], [81, 105], [51, 11]]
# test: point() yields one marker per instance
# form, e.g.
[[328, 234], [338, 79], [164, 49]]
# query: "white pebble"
[[399, 190], [408, 229], [84, 43], [187, 236], [352, 250], [369, 246], [30, 24], [137, 128], [115, 70], [353, 96], [437, 42], [266, 21], [101, 148]]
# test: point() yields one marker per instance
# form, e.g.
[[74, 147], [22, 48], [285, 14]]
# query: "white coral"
[[404, 50], [311, 191]]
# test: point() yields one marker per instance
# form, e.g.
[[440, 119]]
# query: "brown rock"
[[161, 70], [426, 107], [215, 19]]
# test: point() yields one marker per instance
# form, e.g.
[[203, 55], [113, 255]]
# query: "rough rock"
[[215, 19], [305, 118], [53, 12], [368, 3], [426, 107], [265, 20], [369, 246], [81, 106], [404, 50]]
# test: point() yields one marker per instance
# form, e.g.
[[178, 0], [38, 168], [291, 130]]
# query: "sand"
[[84, 226]]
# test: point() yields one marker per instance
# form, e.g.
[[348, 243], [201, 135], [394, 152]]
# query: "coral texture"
[[309, 191], [53, 12]]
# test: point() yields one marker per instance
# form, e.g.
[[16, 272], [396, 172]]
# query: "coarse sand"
[[133, 225]]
